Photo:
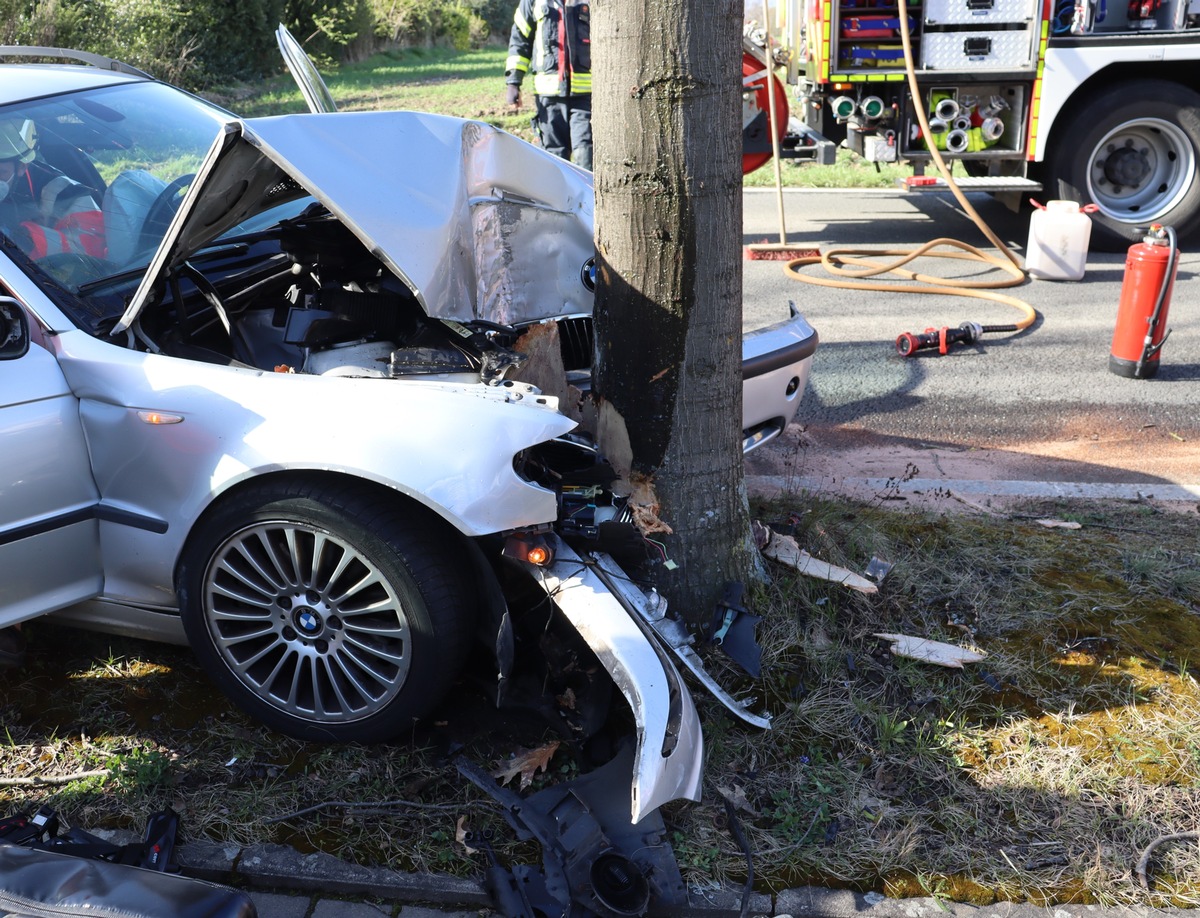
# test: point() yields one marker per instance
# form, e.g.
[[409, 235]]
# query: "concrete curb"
[[814, 902], [284, 869]]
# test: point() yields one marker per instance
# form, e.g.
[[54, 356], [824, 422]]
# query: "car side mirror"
[[14, 330]]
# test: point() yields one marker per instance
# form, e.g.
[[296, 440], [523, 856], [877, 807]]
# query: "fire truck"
[[1095, 101]]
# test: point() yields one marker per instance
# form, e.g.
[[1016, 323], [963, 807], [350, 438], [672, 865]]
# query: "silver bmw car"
[[261, 392]]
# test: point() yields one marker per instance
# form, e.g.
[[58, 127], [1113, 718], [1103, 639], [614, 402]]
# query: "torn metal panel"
[[673, 634], [670, 744], [528, 260]]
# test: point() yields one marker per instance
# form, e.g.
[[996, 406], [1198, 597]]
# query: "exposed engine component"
[[307, 297]]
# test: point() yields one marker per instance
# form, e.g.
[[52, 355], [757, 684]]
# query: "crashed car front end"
[[382, 272]]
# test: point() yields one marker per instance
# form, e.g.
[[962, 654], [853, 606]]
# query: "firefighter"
[[44, 211], [551, 39]]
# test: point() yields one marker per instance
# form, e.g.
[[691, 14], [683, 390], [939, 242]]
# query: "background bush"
[[201, 44]]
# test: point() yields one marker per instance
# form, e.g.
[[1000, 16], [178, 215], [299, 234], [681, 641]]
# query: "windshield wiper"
[[220, 250]]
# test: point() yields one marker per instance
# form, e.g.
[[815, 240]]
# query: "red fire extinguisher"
[[1141, 330]]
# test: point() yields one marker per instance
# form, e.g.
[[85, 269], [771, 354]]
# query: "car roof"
[[20, 82]]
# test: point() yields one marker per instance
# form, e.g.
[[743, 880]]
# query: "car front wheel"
[[324, 612]]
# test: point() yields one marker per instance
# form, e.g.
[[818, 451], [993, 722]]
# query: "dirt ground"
[[851, 461]]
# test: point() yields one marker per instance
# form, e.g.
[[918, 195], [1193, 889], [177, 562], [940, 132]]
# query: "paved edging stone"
[[818, 902], [283, 868]]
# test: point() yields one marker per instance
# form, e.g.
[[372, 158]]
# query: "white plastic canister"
[[1058, 241]]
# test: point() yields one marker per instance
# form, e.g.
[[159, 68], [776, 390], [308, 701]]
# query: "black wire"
[[735, 829]]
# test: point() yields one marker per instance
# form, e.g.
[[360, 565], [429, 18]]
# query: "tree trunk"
[[667, 126]]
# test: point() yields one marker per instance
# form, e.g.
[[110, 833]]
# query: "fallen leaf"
[[783, 548], [526, 763], [567, 699], [927, 651], [1058, 524], [737, 796], [460, 835]]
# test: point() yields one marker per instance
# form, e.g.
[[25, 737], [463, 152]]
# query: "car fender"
[[168, 436]]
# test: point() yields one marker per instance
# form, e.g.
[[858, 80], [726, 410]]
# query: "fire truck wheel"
[[1133, 150]]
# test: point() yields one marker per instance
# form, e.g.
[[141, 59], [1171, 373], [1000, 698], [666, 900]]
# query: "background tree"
[[667, 125]]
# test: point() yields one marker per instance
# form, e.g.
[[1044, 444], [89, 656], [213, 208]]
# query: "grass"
[[442, 81], [850, 171], [1037, 775], [470, 85]]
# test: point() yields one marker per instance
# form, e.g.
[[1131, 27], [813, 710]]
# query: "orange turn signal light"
[[532, 549], [155, 418]]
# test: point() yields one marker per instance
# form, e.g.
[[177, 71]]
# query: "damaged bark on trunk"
[[666, 114]]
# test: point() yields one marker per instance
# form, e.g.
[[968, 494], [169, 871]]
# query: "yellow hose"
[[833, 259]]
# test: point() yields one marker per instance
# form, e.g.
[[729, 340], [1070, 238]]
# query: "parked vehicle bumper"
[[776, 362]]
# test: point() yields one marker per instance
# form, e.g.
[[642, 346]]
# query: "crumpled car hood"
[[478, 223]]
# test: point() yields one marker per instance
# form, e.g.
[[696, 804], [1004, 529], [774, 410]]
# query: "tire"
[[324, 613], [1132, 150]]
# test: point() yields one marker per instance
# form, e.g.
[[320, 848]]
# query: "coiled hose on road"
[[834, 260]]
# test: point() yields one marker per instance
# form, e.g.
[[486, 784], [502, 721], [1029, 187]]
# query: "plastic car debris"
[[653, 611], [519, 892], [34, 882], [45, 831], [783, 548], [878, 569], [47, 869], [735, 829], [942, 654], [733, 631], [596, 861]]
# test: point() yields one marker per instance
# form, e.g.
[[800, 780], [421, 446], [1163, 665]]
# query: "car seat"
[[127, 203]]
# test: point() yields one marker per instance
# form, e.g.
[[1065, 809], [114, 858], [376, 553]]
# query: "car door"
[[49, 534]]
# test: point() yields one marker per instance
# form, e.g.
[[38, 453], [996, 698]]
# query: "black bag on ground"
[[39, 884], [45, 872]]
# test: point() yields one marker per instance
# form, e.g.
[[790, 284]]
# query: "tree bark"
[[667, 126]]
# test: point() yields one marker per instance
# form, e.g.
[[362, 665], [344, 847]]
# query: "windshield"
[[91, 179]]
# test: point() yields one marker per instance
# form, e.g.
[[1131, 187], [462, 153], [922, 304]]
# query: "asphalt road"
[[1045, 391]]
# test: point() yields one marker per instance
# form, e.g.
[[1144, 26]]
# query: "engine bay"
[[305, 296]]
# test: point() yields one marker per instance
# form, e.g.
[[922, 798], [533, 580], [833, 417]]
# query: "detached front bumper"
[[776, 362], [670, 745]]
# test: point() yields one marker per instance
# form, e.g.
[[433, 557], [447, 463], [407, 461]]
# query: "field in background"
[[470, 84]]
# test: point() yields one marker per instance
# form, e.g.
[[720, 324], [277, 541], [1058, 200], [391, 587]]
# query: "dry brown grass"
[[1039, 774]]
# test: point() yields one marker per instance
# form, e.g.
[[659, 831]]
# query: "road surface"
[[1039, 406]]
